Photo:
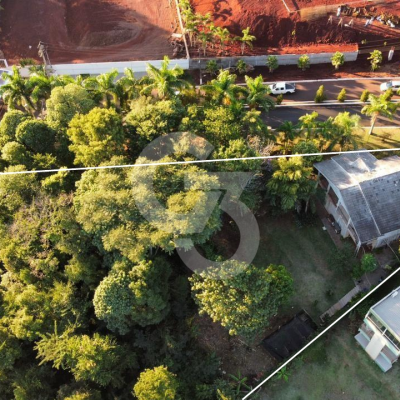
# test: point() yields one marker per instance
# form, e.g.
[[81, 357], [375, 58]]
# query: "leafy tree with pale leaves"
[[65, 102], [95, 358], [241, 297], [96, 136], [133, 294], [157, 384]]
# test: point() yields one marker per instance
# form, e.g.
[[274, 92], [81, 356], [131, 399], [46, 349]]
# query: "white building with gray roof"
[[379, 335], [363, 196]]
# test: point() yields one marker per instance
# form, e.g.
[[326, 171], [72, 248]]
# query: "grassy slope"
[[304, 251]]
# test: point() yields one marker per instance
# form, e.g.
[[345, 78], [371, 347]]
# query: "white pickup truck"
[[282, 88]]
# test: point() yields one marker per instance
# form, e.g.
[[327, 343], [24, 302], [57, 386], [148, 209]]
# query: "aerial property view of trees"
[[94, 301]]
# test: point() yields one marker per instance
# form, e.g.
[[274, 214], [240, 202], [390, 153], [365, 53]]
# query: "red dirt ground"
[[87, 30], [279, 31]]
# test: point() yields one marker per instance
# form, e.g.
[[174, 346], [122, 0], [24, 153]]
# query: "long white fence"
[[283, 59], [138, 67]]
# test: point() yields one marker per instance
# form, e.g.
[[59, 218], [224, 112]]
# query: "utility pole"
[[42, 51]]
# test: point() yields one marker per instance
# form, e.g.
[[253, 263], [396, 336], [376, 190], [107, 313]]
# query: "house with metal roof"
[[379, 335], [363, 196]]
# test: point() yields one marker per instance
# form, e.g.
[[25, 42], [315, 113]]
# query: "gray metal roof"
[[370, 189], [388, 310]]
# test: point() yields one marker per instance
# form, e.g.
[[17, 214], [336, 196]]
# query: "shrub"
[[279, 99], [388, 94], [337, 59], [320, 95], [342, 95], [368, 264], [304, 62], [272, 63], [212, 67], [376, 59], [241, 67], [364, 96]]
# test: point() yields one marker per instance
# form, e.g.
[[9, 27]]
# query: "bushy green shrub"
[[320, 95], [342, 96], [364, 96]]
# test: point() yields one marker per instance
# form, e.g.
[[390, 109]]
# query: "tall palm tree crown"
[[379, 106], [165, 81]]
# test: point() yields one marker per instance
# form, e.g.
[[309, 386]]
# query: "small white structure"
[[379, 335], [363, 196]]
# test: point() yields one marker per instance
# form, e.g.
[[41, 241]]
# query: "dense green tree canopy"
[[96, 137], [133, 294], [241, 297], [156, 384]]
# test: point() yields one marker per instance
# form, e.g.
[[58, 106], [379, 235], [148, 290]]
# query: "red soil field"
[[279, 31], [87, 30]]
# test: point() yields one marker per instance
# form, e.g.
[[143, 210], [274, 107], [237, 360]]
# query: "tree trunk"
[[373, 120]]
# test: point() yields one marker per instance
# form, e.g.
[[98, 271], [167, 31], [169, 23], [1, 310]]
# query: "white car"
[[282, 88], [394, 85]]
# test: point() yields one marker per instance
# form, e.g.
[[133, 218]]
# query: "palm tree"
[[379, 106], [257, 94], [246, 39], [105, 85], [308, 124], [204, 38], [289, 132], [325, 131], [223, 35], [192, 28], [127, 87], [291, 184], [345, 125], [223, 89], [164, 80], [16, 91]]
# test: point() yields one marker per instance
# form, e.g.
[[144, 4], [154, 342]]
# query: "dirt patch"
[[279, 31], [236, 356], [87, 30]]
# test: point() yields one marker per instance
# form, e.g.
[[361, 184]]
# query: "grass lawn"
[[336, 368], [304, 251], [381, 138]]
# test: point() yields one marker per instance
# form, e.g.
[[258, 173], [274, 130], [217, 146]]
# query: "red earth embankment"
[[87, 30]]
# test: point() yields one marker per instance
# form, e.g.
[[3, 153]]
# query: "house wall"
[[372, 326], [387, 238]]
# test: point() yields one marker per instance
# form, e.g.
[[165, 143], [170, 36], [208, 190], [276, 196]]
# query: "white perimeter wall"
[[139, 67], [283, 59]]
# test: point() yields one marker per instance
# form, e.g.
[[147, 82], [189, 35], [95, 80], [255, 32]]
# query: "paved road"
[[305, 91], [279, 115]]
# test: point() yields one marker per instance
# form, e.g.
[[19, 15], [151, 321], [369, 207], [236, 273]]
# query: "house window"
[[333, 197], [392, 339], [323, 182], [376, 322]]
